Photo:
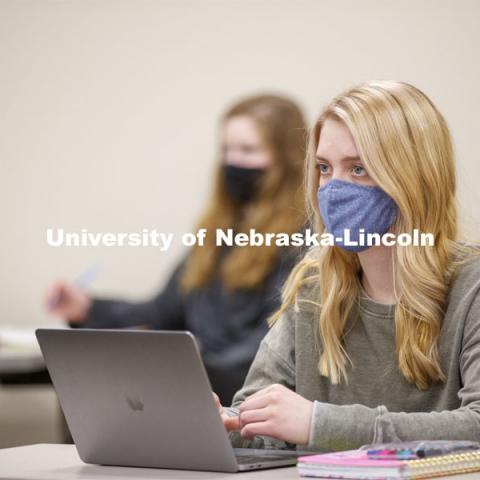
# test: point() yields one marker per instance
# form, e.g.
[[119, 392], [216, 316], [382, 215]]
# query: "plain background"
[[109, 120], [109, 113]]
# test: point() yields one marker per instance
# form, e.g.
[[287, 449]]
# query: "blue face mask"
[[349, 206]]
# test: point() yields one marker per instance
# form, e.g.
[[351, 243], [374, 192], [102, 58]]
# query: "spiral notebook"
[[356, 464]]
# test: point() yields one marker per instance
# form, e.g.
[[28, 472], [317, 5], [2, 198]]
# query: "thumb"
[[231, 423], [217, 402]]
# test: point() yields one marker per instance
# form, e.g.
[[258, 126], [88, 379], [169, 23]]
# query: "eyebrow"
[[344, 159]]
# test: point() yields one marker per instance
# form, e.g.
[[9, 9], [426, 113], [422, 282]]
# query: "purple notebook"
[[355, 464]]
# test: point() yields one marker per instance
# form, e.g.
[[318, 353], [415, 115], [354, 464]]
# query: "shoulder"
[[463, 303], [463, 310], [465, 281]]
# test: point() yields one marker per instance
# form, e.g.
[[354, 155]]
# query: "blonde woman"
[[382, 343], [224, 295]]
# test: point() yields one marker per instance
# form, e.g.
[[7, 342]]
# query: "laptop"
[[143, 399]]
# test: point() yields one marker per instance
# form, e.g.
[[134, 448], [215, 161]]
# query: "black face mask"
[[241, 183]]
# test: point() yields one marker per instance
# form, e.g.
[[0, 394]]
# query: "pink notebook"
[[355, 464]]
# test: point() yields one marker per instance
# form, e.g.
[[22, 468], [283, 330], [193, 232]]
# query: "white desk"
[[19, 349], [18, 361], [55, 462]]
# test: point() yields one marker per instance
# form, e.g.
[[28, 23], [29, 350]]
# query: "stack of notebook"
[[376, 464]]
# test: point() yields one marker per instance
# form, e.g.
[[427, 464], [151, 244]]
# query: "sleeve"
[[164, 311], [273, 363], [349, 426]]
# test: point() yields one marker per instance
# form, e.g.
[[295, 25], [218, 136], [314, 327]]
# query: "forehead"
[[335, 140], [241, 128]]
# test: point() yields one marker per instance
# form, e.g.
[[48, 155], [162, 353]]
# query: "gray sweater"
[[377, 404]]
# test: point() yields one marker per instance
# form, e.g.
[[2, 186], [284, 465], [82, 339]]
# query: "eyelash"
[[319, 165]]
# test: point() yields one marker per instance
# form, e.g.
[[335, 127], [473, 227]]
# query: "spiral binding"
[[444, 464]]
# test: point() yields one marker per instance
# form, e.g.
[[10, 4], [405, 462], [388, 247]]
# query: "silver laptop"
[[143, 398]]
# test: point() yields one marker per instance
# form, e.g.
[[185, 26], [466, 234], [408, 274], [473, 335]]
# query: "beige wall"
[[109, 108], [108, 115]]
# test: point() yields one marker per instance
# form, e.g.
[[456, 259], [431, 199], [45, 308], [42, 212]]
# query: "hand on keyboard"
[[231, 423]]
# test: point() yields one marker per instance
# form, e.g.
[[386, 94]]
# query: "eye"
[[323, 168], [359, 171]]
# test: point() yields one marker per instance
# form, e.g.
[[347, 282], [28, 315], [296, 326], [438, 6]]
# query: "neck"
[[377, 277]]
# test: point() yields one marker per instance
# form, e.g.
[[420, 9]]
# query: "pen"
[[85, 279]]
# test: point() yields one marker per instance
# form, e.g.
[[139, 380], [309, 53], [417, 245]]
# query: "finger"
[[51, 294], [55, 301], [231, 423], [217, 399], [258, 428], [255, 402], [57, 294], [253, 416]]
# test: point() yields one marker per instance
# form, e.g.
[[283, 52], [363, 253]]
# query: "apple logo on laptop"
[[134, 402]]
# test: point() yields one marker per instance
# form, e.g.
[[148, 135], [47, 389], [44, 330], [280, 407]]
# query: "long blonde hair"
[[405, 145], [278, 207]]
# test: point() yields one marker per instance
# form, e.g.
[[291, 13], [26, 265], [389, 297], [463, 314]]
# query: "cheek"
[[263, 158], [367, 181], [320, 180]]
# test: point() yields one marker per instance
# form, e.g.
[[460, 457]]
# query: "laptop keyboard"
[[246, 459]]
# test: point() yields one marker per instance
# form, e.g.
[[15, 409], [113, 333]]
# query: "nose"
[[340, 174]]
